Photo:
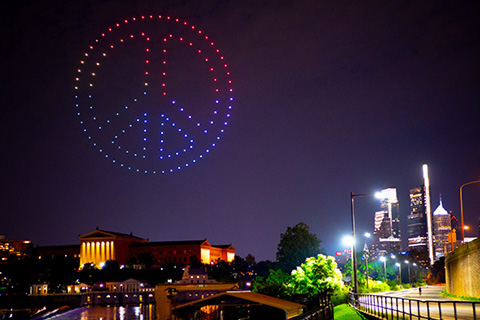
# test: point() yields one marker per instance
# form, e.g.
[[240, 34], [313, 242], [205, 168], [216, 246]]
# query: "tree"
[[315, 275], [275, 285], [297, 244], [250, 259]]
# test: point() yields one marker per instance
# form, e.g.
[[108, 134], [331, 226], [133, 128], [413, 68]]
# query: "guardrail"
[[386, 307]]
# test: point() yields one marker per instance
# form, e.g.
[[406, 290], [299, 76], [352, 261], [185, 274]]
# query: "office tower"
[[417, 221], [442, 227], [386, 233]]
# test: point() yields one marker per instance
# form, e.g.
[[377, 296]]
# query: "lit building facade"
[[100, 246], [417, 221], [442, 227], [386, 232], [181, 252]]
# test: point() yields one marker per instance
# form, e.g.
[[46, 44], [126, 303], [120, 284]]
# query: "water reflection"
[[142, 312]]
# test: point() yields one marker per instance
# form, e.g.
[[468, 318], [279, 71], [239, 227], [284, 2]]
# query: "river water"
[[142, 312]]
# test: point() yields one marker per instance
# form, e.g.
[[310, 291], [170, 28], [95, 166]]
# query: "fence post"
[[418, 309], [396, 305]]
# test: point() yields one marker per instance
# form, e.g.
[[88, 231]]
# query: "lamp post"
[[354, 249], [399, 265], [366, 255], [384, 266], [461, 205], [414, 271], [409, 278], [378, 195]]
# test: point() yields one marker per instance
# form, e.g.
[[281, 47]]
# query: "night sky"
[[330, 97]]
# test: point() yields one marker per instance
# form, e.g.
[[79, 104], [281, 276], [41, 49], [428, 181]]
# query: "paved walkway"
[[427, 293], [428, 304]]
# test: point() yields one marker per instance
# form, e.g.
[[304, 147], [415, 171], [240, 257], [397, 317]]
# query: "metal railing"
[[387, 307]]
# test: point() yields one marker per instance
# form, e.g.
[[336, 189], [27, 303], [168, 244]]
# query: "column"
[[88, 254], [82, 254], [113, 252], [97, 254], [107, 251], [102, 252]]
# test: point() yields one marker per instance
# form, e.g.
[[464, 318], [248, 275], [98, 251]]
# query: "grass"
[[345, 312], [445, 293]]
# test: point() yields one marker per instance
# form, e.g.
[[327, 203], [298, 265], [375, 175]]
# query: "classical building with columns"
[[99, 246]]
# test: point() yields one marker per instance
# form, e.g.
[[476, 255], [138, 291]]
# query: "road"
[[427, 305]]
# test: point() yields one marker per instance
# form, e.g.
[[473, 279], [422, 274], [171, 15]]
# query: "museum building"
[[99, 246]]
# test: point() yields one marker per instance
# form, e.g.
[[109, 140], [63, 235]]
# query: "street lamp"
[[466, 228], [461, 205], [399, 271], [382, 258], [354, 249], [415, 271], [366, 255], [408, 265]]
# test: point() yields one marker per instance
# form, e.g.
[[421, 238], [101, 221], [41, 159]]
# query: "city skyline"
[[329, 99]]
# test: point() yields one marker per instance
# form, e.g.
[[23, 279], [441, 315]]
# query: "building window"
[[160, 252]]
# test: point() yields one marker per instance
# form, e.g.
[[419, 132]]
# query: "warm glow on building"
[[97, 252], [100, 246], [205, 256]]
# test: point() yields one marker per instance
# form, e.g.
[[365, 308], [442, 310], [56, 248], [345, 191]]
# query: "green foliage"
[[377, 286], [339, 296], [315, 275], [275, 285], [444, 293], [297, 244]]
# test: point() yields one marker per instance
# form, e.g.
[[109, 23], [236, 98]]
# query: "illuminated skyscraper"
[[442, 227], [386, 233], [417, 221]]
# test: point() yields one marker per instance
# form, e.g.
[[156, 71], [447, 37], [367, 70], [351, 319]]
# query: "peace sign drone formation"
[[153, 94]]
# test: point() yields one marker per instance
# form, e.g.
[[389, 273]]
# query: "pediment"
[[97, 234]]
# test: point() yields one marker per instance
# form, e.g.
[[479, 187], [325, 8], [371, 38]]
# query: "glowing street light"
[[461, 206], [347, 240]]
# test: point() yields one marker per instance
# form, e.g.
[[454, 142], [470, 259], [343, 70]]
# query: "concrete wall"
[[462, 268]]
